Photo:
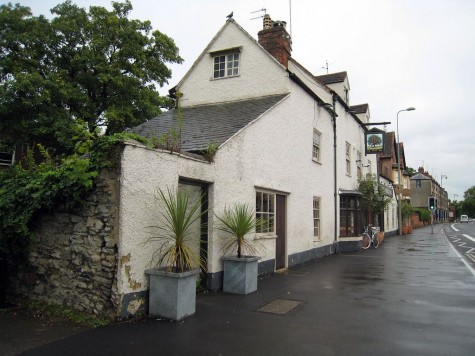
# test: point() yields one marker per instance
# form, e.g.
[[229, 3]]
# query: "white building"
[[289, 145]]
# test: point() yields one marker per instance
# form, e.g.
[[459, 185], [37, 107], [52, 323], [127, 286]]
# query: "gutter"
[[335, 242]]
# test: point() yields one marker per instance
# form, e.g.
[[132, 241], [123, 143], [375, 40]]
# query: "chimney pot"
[[275, 40]]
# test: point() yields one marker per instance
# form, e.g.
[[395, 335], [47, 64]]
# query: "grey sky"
[[398, 53]]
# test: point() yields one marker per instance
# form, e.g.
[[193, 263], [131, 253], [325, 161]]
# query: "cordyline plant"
[[177, 234], [237, 222]]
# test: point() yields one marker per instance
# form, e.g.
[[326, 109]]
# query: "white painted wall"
[[260, 74], [275, 154], [143, 171], [390, 214]]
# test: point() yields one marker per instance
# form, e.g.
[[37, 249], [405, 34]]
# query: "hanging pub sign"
[[374, 141]]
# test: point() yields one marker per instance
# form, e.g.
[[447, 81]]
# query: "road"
[[411, 296], [462, 238]]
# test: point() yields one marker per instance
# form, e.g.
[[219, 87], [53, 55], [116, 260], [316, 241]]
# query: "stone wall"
[[74, 259]]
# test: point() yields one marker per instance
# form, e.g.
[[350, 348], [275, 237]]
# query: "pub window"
[[350, 215]]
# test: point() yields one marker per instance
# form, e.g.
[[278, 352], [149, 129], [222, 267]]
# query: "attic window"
[[226, 63]]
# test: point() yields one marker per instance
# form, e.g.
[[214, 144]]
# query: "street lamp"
[[399, 168]]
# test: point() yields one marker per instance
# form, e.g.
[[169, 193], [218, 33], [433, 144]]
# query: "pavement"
[[411, 296]]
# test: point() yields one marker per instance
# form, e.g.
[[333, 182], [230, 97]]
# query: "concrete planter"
[[240, 274], [172, 295]]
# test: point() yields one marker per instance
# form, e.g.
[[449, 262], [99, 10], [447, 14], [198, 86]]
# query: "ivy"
[[30, 187]]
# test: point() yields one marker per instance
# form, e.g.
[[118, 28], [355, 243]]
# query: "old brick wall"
[[74, 260]]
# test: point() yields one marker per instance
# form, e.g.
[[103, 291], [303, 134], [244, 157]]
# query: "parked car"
[[464, 219]]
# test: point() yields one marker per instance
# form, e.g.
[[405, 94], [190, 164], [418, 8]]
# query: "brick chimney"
[[275, 40]]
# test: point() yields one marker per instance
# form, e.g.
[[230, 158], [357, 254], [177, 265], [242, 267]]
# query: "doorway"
[[280, 229]]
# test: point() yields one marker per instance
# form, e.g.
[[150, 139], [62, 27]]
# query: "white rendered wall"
[[349, 130], [143, 171], [275, 154], [260, 74]]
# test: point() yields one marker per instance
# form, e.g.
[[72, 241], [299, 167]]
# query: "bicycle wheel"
[[365, 240], [375, 240]]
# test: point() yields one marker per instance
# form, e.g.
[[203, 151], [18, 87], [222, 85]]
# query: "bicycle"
[[369, 237]]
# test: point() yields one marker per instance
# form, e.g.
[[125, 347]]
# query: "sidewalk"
[[411, 296]]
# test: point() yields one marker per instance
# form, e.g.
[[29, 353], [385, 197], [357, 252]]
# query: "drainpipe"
[[335, 173]]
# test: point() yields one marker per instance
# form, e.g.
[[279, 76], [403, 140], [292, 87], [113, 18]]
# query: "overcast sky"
[[398, 53]]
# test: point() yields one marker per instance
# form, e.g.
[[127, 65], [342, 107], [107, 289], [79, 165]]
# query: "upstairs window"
[[348, 159], [358, 164], [226, 65], [316, 145]]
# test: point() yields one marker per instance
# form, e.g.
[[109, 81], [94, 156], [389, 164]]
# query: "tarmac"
[[411, 296]]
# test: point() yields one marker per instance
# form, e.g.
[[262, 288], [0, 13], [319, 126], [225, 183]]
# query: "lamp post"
[[399, 168], [442, 176]]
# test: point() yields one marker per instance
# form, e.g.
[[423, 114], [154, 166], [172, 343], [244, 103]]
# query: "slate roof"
[[204, 124], [419, 176], [332, 78], [359, 109]]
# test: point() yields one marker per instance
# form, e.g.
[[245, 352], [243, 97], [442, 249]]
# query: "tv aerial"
[[259, 17]]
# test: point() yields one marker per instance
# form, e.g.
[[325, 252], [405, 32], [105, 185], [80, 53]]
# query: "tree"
[[373, 199], [468, 204], [95, 66]]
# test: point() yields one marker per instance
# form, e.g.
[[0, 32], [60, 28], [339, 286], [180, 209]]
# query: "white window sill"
[[265, 237], [316, 161]]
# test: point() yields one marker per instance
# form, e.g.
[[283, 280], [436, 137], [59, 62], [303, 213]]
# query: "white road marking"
[[453, 227], [469, 237], [470, 268]]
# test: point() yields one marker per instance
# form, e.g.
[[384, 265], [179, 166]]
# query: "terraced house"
[[288, 143]]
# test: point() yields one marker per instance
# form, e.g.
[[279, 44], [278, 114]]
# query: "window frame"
[[316, 146], [317, 221], [348, 158], [351, 215], [266, 212], [236, 69], [359, 164]]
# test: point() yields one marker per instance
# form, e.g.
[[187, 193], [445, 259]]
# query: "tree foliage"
[[373, 199], [29, 188], [468, 204], [95, 66]]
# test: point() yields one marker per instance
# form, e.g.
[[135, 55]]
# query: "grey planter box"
[[172, 295], [240, 274]]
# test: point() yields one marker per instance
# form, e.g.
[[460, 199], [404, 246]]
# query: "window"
[[316, 218], [358, 164], [316, 144], [265, 209], [6, 158], [226, 65], [348, 159], [418, 183], [350, 215]]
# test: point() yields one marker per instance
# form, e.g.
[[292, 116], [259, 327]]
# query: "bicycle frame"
[[373, 238]]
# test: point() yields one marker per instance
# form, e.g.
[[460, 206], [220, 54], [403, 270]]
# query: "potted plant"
[[239, 271], [172, 284], [406, 212]]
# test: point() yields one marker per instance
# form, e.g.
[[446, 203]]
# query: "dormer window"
[[226, 63]]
